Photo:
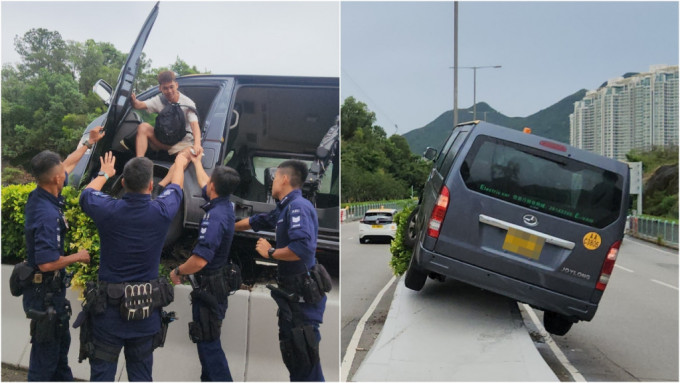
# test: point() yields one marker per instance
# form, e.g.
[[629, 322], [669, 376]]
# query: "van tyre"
[[414, 278], [556, 324], [362, 240], [411, 232]]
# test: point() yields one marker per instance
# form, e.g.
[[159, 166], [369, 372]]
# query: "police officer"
[[45, 228], [210, 264], [132, 231], [297, 228]]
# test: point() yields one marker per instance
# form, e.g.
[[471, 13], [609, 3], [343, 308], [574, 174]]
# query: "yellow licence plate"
[[377, 226], [523, 243]]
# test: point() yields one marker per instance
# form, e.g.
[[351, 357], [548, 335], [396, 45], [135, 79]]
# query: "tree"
[[182, 68], [375, 167], [355, 115], [41, 49]]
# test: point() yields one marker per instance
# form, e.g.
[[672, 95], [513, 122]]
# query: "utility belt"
[[25, 277], [211, 290], [310, 286], [136, 300], [221, 282]]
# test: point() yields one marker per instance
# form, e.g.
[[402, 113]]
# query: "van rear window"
[[542, 181]]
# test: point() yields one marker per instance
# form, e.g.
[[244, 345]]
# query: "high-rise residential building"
[[636, 112]]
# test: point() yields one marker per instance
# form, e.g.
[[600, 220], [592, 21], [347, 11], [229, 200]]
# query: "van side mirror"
[[430, 153], [103, 91]]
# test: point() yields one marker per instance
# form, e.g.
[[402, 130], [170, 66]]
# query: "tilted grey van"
[[523, 216]]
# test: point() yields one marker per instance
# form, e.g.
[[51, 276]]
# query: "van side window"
[[450, 155]]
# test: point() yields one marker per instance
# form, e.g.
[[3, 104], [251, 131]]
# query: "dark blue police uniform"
[[297, 228], [44, 229], [216, 233], [132, 231]]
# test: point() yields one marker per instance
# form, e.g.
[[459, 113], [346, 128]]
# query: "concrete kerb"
[[249, 338]]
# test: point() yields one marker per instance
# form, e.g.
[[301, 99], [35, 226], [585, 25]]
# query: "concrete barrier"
[[249, 338]]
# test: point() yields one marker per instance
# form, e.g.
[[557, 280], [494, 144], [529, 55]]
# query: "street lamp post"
[[474, 94]]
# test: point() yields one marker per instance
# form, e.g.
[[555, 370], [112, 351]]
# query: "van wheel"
[[556, 324], [411, 233], [414, 278], [362, 240]]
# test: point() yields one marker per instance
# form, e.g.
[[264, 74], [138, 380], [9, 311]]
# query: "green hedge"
[[401, 253], [400, 202], [82, 233]]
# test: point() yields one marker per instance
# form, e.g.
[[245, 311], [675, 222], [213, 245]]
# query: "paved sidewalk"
[[453, 332]]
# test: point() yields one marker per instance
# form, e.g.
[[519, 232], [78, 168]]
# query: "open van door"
[[119, 103]]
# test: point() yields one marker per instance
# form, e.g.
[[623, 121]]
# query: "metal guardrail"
[[659, 231], [356, 212]]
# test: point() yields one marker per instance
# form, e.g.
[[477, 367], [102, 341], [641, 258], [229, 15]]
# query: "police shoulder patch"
[[295, 221], [166, 193]]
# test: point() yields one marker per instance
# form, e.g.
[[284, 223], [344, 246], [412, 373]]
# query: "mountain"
[[552, 122]]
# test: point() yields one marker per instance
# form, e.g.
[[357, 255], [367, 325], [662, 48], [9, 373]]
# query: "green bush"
[[401, 253], [13, 202], [82, 233]]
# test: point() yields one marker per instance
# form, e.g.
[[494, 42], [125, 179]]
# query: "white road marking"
[[553, 346], [354, 342], [665, 284], [624, 269], [641, 243]]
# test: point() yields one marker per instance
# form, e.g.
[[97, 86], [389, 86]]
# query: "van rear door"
[[546, 215], [433, 186]]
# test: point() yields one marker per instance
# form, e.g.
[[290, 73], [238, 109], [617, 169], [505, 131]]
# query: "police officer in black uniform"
[[210, 268], [45, 228], [132, 231], [300, 308]]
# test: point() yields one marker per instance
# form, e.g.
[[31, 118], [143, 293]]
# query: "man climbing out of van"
[[176, 125]]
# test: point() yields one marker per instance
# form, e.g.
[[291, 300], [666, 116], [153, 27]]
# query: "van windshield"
[[539, 180]]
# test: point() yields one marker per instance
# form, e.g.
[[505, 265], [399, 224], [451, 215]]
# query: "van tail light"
[[438, 213], [608, 266]]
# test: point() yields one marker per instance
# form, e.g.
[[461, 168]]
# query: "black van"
[[251, 123], [523, 216]]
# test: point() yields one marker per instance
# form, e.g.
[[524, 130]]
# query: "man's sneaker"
[[128, 142]]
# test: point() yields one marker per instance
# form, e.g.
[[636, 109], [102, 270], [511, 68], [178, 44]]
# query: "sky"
[[396, 56], [272, 38]]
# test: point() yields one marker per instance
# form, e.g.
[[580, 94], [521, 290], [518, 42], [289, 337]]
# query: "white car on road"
[[377, 223]]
